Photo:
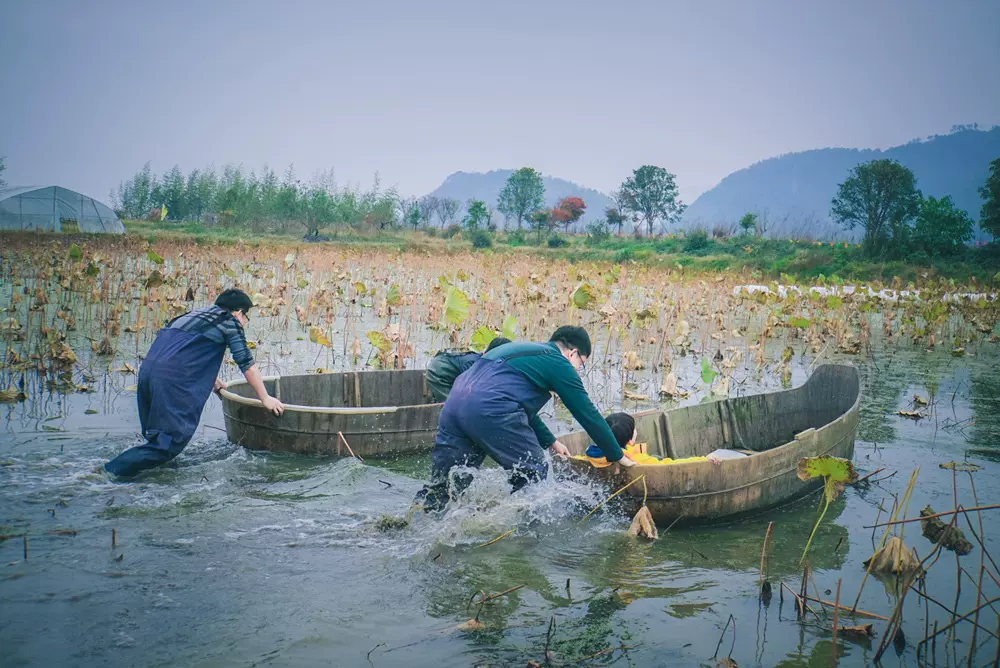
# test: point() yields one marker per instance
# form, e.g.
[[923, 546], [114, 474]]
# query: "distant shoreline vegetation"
[[757, 259], [877, 205]]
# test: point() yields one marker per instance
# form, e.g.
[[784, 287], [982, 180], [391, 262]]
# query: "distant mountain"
[[465, 186], [794, 190]]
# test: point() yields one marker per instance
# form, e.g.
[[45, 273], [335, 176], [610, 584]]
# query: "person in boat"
[[179, 373], [446, 366], [622, 425], [492, 410]]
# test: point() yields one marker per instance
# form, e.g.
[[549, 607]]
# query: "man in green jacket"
[[446, 366], [493, 410]]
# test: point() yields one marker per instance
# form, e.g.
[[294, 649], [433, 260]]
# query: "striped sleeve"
[[237, 342]]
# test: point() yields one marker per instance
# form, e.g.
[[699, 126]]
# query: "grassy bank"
[[761, 259]]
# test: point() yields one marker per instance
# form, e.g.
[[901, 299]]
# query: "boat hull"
[[818, 418]]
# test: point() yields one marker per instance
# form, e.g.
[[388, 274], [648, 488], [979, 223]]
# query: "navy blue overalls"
[[175, 381], [487, 413]]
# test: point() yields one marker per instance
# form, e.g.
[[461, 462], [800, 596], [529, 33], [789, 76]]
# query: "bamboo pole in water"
[[836, 609], [994, 506], [763, 553], [982, 569]]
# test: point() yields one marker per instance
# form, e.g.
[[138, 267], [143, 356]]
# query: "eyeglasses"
[[583, 365]]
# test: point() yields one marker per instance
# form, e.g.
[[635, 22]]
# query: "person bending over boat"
[[445, 367], [622, 425], [179, 373], [493, 411]]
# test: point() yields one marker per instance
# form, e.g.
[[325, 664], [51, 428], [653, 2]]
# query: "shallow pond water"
[[236, 558]]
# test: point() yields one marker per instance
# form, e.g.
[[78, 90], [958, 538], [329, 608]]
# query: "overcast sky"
[[584, 90]]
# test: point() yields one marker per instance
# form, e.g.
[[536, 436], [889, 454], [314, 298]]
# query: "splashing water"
[[487, 509]]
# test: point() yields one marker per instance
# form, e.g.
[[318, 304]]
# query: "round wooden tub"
[[380, 413]]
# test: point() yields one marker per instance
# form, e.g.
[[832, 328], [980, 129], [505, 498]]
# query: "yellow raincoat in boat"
[[637, 453]]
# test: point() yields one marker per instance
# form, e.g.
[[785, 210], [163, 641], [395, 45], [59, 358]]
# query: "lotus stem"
[[598, 506], [498, 595], [500, 537], [826, 504]]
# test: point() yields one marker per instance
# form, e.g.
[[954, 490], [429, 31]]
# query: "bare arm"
[[257, 383]]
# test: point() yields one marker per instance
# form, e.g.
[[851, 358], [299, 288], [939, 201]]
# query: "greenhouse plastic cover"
[[44, 208]]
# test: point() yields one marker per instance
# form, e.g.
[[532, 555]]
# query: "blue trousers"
[[175, 381], [487, 414]]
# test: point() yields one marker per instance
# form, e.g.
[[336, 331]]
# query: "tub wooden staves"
[[380, 413]]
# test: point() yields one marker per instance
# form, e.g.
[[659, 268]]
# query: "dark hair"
[[234, 300], [572, 337], [622, 426], [496, 343]]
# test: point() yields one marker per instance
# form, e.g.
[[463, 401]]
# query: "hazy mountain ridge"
[[792, 191], [795, 189]]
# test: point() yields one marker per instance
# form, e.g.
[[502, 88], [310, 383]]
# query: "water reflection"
[[881, 386], [983, 430], [817, 654]]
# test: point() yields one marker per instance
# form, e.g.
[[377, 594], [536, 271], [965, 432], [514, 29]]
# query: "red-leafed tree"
[[559, 216], [568, 211]]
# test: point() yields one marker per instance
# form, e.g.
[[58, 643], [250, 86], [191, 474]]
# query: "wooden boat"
[[780, 428], [380, 414]]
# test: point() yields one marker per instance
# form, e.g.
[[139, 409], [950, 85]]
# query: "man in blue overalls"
[[493, 410], [179, 373]]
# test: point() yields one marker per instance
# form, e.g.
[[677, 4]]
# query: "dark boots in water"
[[135, 460], [431, 499], [434, 497]]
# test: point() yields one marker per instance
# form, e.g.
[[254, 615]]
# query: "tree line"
[[237, 197], [879, 197], [896, 221], [648, 199]]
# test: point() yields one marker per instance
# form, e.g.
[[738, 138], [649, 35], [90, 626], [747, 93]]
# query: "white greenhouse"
[[54, 209]]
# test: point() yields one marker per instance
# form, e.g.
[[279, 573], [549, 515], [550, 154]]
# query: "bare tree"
[[491, 211], [427, 205], [763, 223], [447, 209], [325, 180], [619, 199], [409, 211]]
